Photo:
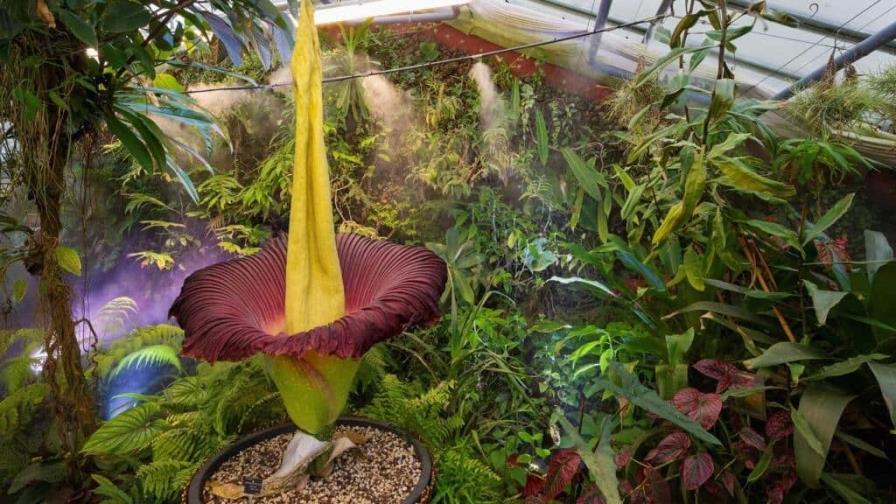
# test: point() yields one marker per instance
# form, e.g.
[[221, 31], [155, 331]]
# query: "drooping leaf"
[[693, 267], [828, 219], [696, 470], [153, 355], [773, 229], [823, 300], [583, 281], [721, 308], [886, 380], [585, 174], [877, 252], [722, 99], [844, 367], [226, 35], [784, 352], [670, 223], [816, 421], [761, 466], [133, 145], [741, 177], [630, 388], [68, 259]]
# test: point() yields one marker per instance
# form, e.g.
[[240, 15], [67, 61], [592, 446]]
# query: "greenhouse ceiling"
[[768, 60]]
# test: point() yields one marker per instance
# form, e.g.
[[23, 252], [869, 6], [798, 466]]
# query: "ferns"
[[166, 437], [154, 355], [140, 338], [16, 408], [463, 478], [163, 480]]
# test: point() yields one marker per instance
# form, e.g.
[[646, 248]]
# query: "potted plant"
[[313, 303]]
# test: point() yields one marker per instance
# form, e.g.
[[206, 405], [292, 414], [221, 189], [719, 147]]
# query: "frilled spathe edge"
[[234, 310]]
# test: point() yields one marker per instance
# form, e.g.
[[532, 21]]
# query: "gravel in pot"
[[388, 467]]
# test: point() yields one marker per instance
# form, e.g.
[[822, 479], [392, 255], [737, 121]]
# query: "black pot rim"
[[197, 483]]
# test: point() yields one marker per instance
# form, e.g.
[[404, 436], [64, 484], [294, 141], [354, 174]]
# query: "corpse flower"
[[235, 309], [312, 303]]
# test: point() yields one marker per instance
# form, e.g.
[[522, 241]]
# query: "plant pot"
[[420, 492]]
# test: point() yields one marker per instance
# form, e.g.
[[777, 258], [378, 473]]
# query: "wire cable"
[[470, 57]]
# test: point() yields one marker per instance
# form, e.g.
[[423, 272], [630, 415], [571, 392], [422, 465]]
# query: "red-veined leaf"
[[673, 447], [562, 469], [695, 470], [752, 438], [778, 425], [700, 407]]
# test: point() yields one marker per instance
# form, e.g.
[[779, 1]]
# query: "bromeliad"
[[313, 303]]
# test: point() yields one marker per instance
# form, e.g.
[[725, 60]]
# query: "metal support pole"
[[663, 8], [603, 12], [851, 55]]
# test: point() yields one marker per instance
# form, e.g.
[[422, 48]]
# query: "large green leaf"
[[782, 353], [722, 99], [599, 462], [78, 27], [130, 142], [542, 143], [630, 388], [877, 252], [124, 16], [127, 433], [584, 173], [828, 219], [721, 308], [848, 495], [788, 235], [820, 408], [886, 380], [823, 301], [741, 177], [882, 301]]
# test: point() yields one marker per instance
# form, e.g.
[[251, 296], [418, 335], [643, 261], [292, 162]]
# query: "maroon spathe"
[[233, 310]]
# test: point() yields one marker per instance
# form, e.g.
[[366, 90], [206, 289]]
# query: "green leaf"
[[782, 353], [750, 293], [886, 380], [68, 259], [130, 142], [823, 301], [762, 466], [184, 180], [677, 345], [670, 223], [828, 219], [694, 184], [583, 281], [693, 268], [30, 101], [630, 388], [113, 494], [862, 445], [721, 308], [730, 142], [844, 367], [167, 81], [661, 63], [599, 462], [849, 495], [542, 144], [741, 177], [124, 16], [19, 289], [128, 433], [685, 23], [585, 174], [78, 27], [816, 421], [722, 99], [877, 252], [770, 228]]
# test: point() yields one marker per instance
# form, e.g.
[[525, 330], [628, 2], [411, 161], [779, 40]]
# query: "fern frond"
[[192, 443], [187, 391], [111, 493], [161, 481], [155, 355], [464, 479], [15, 409]]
